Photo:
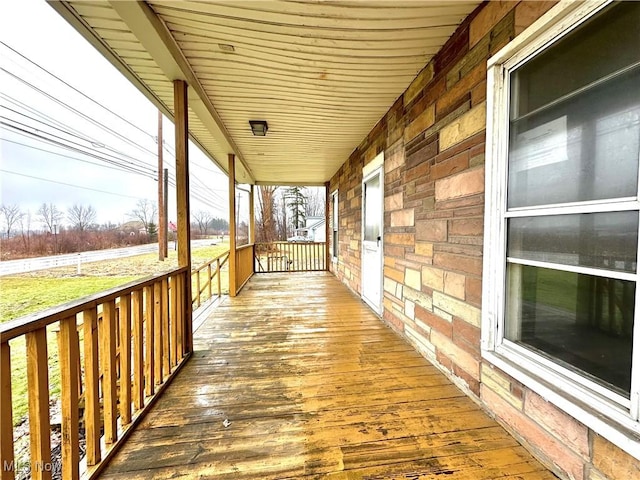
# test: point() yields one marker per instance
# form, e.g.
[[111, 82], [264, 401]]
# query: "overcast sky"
[[33, 104]]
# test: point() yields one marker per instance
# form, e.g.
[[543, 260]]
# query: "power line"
[[74, 133], [77, 112], [33, 147], [75, 89], [134, 169], [69, 184]]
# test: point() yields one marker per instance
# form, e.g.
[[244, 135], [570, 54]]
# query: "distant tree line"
[[51, 231]]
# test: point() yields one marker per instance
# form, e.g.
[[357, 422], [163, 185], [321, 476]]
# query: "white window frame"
[[335, 226], [611, 415]]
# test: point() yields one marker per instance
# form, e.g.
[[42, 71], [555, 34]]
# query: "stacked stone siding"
[[433, 139]]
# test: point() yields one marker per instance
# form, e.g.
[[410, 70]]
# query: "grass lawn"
[[36, 291]]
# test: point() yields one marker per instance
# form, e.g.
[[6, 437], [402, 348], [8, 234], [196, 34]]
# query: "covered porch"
[[297, 378]]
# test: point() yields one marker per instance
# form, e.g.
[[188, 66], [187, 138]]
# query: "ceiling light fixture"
[[259, 127], [226, 47]]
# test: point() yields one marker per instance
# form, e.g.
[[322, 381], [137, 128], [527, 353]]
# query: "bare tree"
[[203, 219], [50, 216], [25, 230], [145, 211], [10, 215], [81, 216], [315, 205], [265, 221]]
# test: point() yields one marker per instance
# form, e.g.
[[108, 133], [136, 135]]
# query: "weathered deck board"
[[315, 386]]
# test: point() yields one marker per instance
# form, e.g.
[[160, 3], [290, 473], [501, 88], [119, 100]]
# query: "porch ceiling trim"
[[322, 74]]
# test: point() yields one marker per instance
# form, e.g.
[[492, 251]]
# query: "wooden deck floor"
[[314, 385]]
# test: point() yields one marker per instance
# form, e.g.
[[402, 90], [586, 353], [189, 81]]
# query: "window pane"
[[372, 207], [600, 47], [582, 321], [585, 148], [600, 240], [242, 217]]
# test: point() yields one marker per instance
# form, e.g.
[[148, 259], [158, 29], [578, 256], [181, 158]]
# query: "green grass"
[[21, 296]]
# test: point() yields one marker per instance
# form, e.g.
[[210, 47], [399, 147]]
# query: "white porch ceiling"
[[321, 73]]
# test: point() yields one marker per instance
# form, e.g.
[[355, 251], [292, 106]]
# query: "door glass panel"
[[583, 322], [372, 207], [600, 240]]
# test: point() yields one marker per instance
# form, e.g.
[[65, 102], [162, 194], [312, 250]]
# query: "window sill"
[[599, 414]]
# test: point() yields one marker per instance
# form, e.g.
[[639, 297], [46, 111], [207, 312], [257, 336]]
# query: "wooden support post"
[[209, 277], [233, 284], [39, 426], [69, 355], [328, 229], [182, 201], [138, 349], [252, 216], [92, 382], [125, 359], [6, 414], [108, 363]]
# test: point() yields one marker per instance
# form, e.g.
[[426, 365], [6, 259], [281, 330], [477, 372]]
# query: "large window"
[[561, 263]]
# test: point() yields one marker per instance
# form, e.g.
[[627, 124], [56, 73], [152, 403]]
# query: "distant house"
[[314, 230]]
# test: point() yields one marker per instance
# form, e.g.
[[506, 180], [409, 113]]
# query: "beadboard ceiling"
[[321, 73]]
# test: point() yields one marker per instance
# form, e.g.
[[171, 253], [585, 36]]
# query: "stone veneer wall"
[[433, 139]]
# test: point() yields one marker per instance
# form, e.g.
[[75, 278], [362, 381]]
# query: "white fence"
[[11, 267]]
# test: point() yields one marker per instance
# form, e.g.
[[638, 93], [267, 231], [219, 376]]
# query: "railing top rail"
[[243, 247], [291, 243], [37, 320], [209, 262]]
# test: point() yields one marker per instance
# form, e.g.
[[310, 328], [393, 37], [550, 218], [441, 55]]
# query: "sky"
[[118, 137]]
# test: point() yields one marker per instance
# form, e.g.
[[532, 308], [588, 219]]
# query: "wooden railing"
[[117, 351], [244, 265], [203, 288], [290, 257]]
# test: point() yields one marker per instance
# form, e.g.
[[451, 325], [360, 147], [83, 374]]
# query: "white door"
[[372, 226]]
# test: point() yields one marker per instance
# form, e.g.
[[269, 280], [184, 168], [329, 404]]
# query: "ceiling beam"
[[156, 38]]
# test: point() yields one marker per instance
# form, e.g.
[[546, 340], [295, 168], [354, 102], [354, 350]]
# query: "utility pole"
[[165, 227], [162, 235]]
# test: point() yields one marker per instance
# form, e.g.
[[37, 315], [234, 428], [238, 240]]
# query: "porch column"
[[252, 217], [328, 230], [232, 225], [182, 201]]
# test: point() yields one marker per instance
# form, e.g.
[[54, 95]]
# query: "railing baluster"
[[69, 355], [107, 338], [198, 288], [180, 317], [38, 382], [157, 331], [148, 339], [166, 364], [91, 391], [173, 290], [210, 278], [125, 359], [6, 413], [138, 349], [219, 279]]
